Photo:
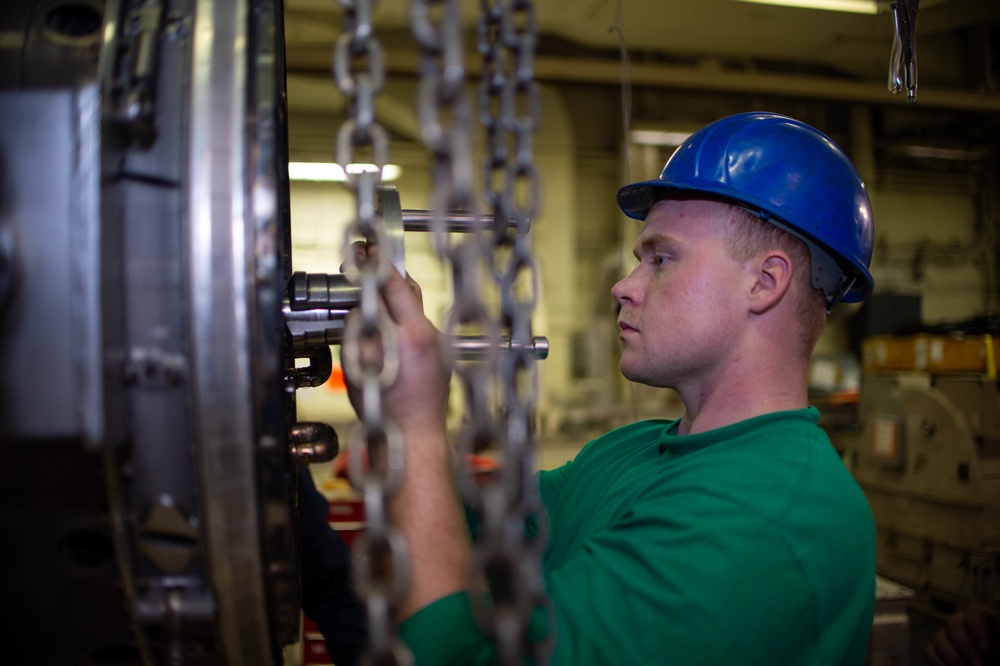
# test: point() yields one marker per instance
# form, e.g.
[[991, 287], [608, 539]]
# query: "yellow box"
[[931, 353], [885, 352], [945, 354]]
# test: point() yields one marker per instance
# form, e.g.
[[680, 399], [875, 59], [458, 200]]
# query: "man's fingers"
[[962, 639], [402, 297], [415, 288], [946, 651], [984, 626], [931, 656], [979, 629]]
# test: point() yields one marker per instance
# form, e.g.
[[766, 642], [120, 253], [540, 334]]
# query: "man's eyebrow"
[[651, 242]]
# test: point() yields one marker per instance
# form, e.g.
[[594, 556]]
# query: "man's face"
[[682, 303]]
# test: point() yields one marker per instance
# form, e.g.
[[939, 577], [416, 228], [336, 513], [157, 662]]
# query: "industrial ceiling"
[[725, 45]]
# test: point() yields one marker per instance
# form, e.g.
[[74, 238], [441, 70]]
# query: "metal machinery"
[[928, 460], [149, 326]]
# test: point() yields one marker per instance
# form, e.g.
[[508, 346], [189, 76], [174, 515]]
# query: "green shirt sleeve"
[[445, 633]]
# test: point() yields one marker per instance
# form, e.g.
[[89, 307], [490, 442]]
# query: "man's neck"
[[743, 393]]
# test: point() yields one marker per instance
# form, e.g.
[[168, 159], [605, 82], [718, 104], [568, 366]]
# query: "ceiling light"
[[332, 172], [932, 152], [658, 138], [856, 6]]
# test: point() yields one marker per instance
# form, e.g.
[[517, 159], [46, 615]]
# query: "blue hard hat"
[[789, 174]]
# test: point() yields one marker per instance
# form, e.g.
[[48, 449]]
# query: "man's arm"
[[426, 508]]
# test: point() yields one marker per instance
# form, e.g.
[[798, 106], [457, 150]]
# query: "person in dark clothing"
[[328, 595]]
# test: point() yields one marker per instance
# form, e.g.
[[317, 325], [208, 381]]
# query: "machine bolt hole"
[[74, 20]]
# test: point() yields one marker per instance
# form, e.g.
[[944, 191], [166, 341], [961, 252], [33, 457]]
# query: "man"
[[733, 535]]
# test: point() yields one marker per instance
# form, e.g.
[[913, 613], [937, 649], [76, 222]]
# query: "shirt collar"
[[671, 442]]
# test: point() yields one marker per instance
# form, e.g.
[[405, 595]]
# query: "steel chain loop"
[[371, 356], [444, 112], [504, 558], [470, 309], [508, 554], [500, 391]]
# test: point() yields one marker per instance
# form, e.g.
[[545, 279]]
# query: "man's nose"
[[624, 290]]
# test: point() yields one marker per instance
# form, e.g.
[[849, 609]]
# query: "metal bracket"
[[903, 62], [135, 83], [155, 369]]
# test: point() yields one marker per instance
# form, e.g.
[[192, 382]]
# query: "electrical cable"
[[626, 92]]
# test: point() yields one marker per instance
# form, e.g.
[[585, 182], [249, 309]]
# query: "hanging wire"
[[618, 28]]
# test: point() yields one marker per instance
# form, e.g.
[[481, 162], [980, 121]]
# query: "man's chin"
[[638, 376], [633, 374]]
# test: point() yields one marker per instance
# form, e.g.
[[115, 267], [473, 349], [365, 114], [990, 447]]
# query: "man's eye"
[[659, 261]]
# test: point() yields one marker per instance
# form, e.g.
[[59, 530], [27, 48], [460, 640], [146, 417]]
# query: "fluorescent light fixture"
[[855, 6], [332, 172], [658, 138], [945, 153]]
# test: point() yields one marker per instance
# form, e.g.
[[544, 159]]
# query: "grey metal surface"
[[143, 412], [216, 240], [144, 255], [48, 43], [50, 374]]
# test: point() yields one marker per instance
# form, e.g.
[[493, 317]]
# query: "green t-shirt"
[[750, 544]]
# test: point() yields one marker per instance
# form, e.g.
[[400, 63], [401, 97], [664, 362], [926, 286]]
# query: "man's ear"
[[772, 279]]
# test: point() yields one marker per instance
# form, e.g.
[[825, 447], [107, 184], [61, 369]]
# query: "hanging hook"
[[903, 62]]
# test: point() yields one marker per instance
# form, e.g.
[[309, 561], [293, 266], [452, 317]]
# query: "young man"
[[733, 535]]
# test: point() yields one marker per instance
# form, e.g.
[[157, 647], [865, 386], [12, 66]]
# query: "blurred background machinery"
[[928, 459]]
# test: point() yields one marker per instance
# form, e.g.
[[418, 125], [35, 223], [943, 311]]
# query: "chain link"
[[444, 112], [371, 356], [508, 555], [500, 389]]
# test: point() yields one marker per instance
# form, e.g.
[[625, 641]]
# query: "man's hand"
[[968, 638], [426, 507], [419, 395]]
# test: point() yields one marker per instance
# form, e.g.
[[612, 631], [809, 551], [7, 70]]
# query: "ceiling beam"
[[710, 78]]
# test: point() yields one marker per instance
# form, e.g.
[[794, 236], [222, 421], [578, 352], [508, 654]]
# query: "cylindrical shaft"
[[421, 220]]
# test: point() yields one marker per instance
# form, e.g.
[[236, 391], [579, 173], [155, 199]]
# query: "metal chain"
[[371, 356], [508, 555], [444, 111], [445, 97]]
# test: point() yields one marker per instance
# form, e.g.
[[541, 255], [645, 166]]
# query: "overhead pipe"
[[658, 75]]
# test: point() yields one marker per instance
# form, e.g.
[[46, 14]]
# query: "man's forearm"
[[428, 512]]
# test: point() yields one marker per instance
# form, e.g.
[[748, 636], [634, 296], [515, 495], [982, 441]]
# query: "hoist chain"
[[508, 555], [451, 147], [444, 111], [371, 356], [500, 388]]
